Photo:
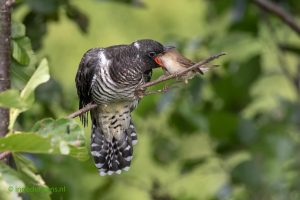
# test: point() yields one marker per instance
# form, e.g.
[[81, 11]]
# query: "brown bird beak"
[[166, 49]]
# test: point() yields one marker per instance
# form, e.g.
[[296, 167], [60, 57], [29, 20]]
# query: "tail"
[[112, 155]]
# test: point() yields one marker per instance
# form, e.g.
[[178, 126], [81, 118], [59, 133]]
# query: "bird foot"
[[140, 93]]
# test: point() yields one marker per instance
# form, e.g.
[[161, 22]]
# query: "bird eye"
[[152, 54]]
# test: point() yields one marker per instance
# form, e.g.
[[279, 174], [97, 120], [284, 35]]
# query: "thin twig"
[[90, 106], [163, 90], [279, 12], [85, 109], [4, 154], [172, 76], [155, 82], [283, 64]]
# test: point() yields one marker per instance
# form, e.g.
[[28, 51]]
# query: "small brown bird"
[[173, 62]]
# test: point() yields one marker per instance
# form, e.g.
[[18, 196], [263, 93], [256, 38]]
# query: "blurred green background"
[[230, 134]]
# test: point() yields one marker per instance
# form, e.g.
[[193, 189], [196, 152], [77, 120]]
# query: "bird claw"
[[140, 93]]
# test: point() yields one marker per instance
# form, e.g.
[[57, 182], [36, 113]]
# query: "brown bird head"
[[173, 61], [166, 54]]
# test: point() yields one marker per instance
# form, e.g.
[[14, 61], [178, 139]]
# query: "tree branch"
[[85, 109], [90, 106], [279, 12], [176, 75], [5, 52], [5, 32], [280, 48]]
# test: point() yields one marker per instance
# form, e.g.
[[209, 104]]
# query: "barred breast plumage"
[[109, 77]]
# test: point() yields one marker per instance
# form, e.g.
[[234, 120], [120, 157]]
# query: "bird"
[[173, 62], [109, 77]]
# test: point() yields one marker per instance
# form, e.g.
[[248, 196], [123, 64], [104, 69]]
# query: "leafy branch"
[[279, 12], [288, 19]]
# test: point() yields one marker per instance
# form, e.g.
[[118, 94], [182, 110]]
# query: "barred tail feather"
[[132, 133], [112, 156]]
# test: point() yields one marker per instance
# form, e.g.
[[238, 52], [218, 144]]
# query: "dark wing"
[[86, 71], [186, 62]]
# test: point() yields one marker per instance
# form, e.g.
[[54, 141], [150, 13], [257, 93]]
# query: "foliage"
[[231, 134], [48, 136]]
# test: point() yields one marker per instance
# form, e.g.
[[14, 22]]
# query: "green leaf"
[[46, 7], [223, 125], [78, 17], [233, 43], [248, 72], [40, 76], [62, 136], [9, 181], [67, 135], [248, 173], [25, 44], [247, 131], [32, 180], [17, 30], [190, 164], [11, 99], [239, 80], [64, 148], [19, 54], [25, 142]]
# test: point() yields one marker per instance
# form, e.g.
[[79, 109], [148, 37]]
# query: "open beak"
[[157, 59]]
